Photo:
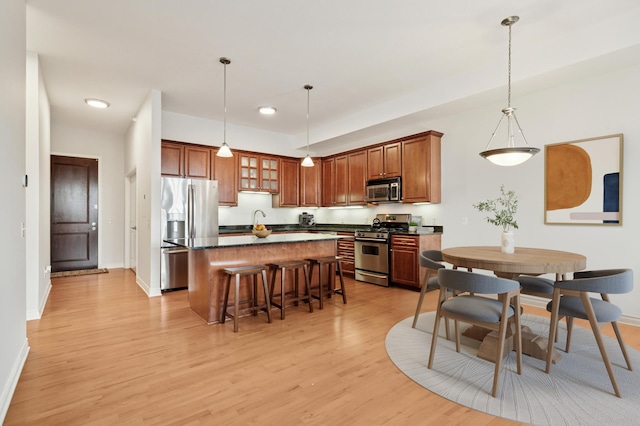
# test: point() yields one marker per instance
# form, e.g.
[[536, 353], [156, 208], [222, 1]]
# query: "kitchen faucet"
[[254, 215]]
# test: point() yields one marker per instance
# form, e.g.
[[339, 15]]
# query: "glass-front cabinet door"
[[258, 173]]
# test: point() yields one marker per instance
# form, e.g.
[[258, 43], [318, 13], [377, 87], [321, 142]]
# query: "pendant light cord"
[[224, 97], [509, 76], [308, 87]]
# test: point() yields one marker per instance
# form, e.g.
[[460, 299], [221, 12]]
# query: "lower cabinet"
[[405, 258], [346, 250]]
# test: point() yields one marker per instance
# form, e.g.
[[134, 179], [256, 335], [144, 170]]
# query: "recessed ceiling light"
[[267, 110], [96, 103]]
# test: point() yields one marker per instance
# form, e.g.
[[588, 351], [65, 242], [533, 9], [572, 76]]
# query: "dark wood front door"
[[74, 213]]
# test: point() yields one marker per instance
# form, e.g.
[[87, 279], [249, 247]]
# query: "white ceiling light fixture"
[[512, 155], [96, 103], [307, 162], [224, 150], [267, 110]]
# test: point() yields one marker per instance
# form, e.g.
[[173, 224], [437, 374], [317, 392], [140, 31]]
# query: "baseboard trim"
[[148, 290], [12, 383], [31, 315]]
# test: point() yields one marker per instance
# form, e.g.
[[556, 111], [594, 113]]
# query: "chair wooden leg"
[[553, 326], [267, 296], [569, 330], [423, 290], [343, 292], [434, 337], [614, 324], [586, 302], [456, 328], [225, 299], [236, 305], [518, 333], [307, 281], [502, 334]]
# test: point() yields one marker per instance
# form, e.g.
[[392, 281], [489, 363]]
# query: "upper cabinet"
[[311, 184], [288, 195], [225, 171], [421, 168], [182, 160], [384, 161], [357, 178], [172, 159], [258, 172], [328, 182], [345, 179], [197, 162]]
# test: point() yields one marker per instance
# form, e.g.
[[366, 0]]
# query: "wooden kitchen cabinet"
[[357, 178], [405, 258], [384, 161], [225, 171], [328, 182], [405, 262], [347, 251], [341, 181], [258, 173], [172, 159], [421, 168], [197, 162], [311, 184], [288, 194]]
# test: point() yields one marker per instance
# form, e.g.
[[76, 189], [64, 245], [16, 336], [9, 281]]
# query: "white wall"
[[13, 335], [142, 156], [38, 119], [109, 150]]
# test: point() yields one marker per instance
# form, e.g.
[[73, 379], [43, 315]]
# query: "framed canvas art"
[[583, 182]]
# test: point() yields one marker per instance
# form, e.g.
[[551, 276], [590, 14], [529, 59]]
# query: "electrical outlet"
[[465, 221]]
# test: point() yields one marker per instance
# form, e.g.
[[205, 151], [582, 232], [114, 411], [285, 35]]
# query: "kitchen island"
[[209, 256]]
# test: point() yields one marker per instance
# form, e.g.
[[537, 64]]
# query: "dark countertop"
[[321, 227], [249, 240]]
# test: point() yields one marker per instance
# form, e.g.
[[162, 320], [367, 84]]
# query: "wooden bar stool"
[[331, 262], [294, 265], [238, 272]]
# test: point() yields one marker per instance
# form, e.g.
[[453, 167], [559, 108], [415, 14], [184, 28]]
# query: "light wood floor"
[[104, 354]]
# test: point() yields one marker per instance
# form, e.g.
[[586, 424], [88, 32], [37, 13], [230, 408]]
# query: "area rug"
[[576, 392], [79, 272]]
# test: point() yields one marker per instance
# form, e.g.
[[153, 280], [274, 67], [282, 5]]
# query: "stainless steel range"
[[372, 248]]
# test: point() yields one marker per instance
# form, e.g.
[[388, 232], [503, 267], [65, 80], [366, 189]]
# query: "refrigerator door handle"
[[190, 209]]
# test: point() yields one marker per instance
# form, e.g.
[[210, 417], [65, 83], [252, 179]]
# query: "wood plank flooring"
[[105, 354]]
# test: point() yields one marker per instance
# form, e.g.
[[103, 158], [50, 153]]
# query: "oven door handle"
[[371, 240], [371, 274]]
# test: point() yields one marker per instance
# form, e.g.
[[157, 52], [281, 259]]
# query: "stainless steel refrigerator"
[[189, 210]]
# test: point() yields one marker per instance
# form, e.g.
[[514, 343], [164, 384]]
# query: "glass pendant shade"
[[511, 155], [307, 162], [224, 151]]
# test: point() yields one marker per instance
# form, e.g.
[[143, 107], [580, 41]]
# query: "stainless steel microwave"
[[384, 190]]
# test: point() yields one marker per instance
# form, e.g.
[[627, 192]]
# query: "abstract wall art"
[[583, 182]]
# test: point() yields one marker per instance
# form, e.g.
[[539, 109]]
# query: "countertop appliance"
[[306, 219], [384, 190], [189, 210], [371, 248]]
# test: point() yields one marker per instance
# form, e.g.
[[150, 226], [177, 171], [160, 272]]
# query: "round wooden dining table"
[[524, 261]]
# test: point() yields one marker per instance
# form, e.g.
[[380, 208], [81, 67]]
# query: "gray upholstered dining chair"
[[493, 314], [431, 260], [536, 286], [571, 300]]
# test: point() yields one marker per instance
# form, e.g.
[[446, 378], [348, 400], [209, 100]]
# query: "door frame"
[[127, 211], [100, 219]]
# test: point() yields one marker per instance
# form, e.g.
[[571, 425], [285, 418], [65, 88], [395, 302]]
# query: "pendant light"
[[512, 155], [307, 162], [224, 150]]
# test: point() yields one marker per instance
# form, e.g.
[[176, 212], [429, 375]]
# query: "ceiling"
[[373, 65]]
